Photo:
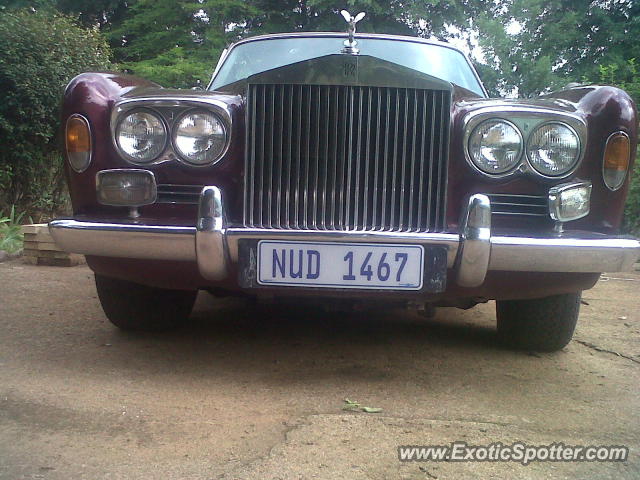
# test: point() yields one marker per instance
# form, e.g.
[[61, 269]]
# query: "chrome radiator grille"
[[323, 157]]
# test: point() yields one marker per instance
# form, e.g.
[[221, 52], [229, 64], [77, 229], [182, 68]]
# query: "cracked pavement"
[[257, 394]]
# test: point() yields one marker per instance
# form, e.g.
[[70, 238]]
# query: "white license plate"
[[341, 265]]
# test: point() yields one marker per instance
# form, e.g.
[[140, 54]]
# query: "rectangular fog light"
[[570, 201], [126, 187]]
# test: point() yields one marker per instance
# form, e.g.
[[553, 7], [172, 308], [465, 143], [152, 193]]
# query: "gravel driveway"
[[255, 394]]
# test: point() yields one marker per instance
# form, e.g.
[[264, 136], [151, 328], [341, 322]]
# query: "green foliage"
[[632, 208], [626, 76], [11, 238], [175, 43], [174, 68], [40, 51], [549, 43], [151, 28]]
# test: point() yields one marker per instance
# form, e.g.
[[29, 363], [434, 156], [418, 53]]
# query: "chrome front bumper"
[[471, 253]]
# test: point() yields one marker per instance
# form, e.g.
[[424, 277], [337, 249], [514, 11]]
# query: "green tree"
[[95, 12], [176, 43], [536, 45], [40, 51]]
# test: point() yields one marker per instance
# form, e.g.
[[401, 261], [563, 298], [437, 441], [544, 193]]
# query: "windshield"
[[258, 56]]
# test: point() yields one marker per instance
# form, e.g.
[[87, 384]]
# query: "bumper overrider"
[[471, 253]]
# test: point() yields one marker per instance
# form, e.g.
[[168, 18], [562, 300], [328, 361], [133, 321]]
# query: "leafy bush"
[[174, 68], [11, 238], [632, 207], [40, 51]]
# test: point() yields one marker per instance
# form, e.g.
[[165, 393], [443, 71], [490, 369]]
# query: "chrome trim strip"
[[475, 242], [221, 59], [210, 236], [521, 214], [563, 254], [179, 194], [401, 38], [125, 240]]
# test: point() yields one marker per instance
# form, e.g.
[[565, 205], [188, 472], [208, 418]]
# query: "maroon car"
[[369, 170]]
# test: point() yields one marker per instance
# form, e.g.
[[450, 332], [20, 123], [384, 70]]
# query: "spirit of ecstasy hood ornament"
[[350, 44]]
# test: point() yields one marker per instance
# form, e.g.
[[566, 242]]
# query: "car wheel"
[[542, 324], [131, 306]]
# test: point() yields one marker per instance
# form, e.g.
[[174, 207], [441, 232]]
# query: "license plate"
[[340, 265]]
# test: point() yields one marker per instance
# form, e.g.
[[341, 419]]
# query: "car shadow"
[[237, 319], [244, 324]]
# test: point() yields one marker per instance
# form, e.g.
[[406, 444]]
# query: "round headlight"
[[553, 149], [141, 136], [495, 146], [199, 137]]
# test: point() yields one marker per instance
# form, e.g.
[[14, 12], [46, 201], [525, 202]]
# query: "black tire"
[[131, 306], [541, 324]]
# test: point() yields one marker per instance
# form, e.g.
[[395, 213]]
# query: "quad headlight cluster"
[[198, 137], [497, 147]]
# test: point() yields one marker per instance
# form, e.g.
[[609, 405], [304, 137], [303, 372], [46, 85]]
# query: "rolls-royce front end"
[[377, 173]]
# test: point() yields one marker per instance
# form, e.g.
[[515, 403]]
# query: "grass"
[[11, 239]]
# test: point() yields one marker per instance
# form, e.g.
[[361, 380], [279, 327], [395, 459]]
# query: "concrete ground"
[[244, 394]]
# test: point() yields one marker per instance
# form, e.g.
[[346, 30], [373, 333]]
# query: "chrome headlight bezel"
[[116, 136], [185, 158], [526, 119], [573, 166], [170, 108], [521, 148]]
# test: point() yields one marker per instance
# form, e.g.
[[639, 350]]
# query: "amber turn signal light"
[[617, 153], [78, 142]]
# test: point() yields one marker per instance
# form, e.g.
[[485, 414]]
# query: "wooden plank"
[[36, 228], [60, 262], [31, 245], [45, 253], [72, 261], [38, 237]]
